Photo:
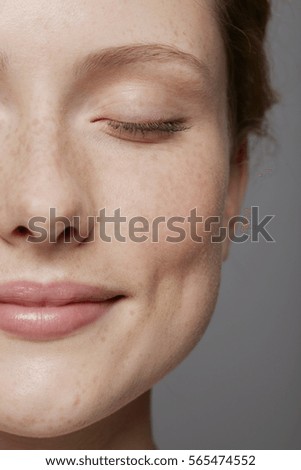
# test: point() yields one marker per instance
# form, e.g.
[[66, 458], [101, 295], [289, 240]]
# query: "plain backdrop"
[[240, 388]]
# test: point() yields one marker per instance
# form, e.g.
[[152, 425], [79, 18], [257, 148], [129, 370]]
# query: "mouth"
[[43, 312]]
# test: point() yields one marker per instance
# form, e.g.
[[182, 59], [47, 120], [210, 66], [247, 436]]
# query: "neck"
[[127, 428]]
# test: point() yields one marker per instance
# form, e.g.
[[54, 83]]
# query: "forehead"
[[39, 34]]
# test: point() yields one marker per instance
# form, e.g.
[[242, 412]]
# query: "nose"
[[42, 198]]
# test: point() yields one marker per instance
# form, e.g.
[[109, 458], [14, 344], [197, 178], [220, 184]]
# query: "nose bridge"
[[41, 158], [40, 118], [41, 144]]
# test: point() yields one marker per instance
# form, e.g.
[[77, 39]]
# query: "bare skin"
[[148, 61], [128, 428]]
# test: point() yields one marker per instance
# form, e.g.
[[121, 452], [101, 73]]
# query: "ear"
[[238, 179]]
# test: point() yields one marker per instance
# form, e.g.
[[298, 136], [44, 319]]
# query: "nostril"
[[67, 235], [71, 235], [21, 230]]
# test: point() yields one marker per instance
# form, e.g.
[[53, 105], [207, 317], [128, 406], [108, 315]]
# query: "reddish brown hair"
[[244, 24]]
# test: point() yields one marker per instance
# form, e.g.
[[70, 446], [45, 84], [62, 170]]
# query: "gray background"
[[240, 388]]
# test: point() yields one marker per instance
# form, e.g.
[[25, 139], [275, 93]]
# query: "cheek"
[[166, 180], [178, 281], [177, 290]]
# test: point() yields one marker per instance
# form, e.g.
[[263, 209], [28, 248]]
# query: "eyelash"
[[165, 128]]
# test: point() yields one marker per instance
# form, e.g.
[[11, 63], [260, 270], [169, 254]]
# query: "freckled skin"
[[92, 388]]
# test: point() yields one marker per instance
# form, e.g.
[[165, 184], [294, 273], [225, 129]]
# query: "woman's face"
[[60, 150]]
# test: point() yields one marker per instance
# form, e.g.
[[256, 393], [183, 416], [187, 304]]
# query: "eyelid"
[[163, 128]]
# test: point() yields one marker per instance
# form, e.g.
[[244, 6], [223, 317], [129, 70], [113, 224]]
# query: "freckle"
[[76, 401]]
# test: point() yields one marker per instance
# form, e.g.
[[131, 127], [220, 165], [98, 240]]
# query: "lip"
[[41, 312]]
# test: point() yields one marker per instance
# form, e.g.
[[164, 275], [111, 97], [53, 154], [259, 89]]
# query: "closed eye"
[[144, 130]]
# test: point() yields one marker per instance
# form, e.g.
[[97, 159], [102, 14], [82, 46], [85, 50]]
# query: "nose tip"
[[52, 229], [31, 218], [72, 228]]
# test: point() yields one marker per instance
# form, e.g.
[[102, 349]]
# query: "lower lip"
[[44, 323]]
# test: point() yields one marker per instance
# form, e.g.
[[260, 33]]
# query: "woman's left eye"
[[145, 130]]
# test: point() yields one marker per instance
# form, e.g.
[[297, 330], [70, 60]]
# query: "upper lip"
[[54, 294]]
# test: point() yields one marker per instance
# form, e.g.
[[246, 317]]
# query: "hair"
[[250, 95]]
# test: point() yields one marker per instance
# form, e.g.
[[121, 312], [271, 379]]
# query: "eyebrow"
[[118, 56]]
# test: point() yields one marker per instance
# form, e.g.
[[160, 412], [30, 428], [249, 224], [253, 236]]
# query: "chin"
[[36, 426]]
